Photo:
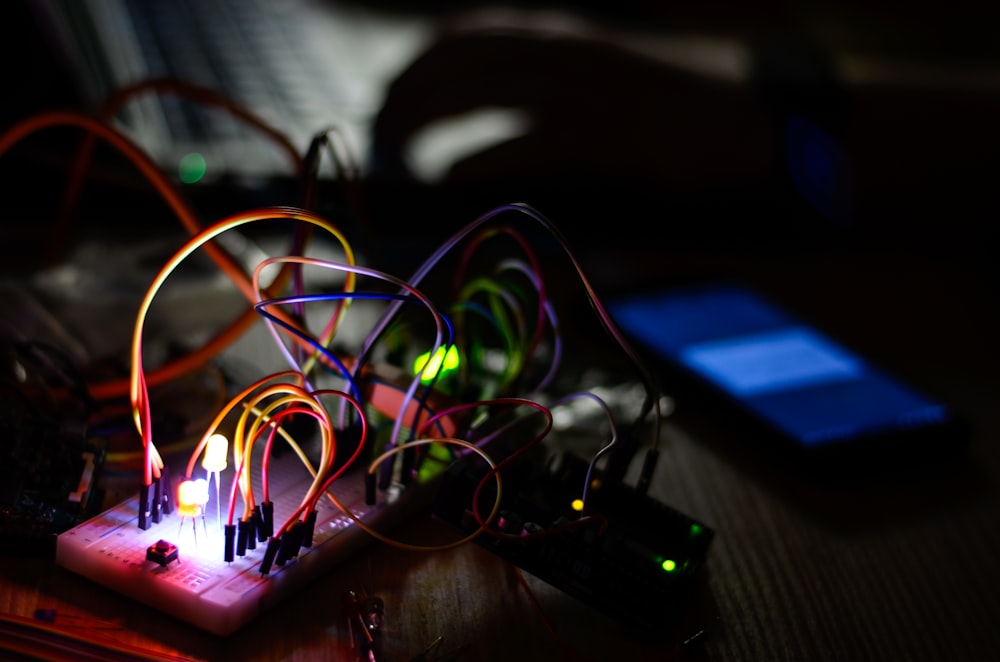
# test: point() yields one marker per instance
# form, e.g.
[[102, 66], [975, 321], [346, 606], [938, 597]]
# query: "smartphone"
[[748, 360]]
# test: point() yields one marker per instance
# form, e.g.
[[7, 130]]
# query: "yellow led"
[[191, 496], [578, 505], [215, 453]]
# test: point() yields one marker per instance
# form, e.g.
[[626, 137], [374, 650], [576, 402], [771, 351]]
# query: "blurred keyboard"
[[301, 65]]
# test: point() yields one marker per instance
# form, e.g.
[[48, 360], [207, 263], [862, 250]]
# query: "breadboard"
[[200, 587]]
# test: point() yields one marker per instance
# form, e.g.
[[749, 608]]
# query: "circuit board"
[[638, 561], [49, 473], [178, 565]]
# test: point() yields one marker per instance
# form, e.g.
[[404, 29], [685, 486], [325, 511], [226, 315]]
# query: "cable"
[[138, 387], [497, 467], [651, 401], [121, 387], [440, 325], [430, 548], [534, 272], [168, 85], [604, 449]]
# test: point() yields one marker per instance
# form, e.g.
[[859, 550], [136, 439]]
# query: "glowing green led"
[[669, 565], [442, 362], [695, 529], [192, 168]]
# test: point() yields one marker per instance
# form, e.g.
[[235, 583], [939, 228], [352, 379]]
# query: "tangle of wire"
[[266, 403]]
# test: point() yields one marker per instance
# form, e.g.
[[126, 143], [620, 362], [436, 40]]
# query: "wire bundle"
[[499, 322]]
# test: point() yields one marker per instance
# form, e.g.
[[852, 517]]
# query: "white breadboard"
[[200, 587]]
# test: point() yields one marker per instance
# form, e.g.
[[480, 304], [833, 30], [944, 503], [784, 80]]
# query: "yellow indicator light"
[[578, 505], [669, 565], [192, 168], [442, 362], [191, 496], [215, 453]]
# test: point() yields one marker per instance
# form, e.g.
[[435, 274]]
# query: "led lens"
[[215, 453], [191, 496]]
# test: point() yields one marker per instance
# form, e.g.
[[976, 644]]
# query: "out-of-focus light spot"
[[192, 168], [437, 147], [440, 452], [819, 170], [669, 565], [577, 505]]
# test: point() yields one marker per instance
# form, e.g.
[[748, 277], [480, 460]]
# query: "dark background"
[[906, 162], [868, 207]]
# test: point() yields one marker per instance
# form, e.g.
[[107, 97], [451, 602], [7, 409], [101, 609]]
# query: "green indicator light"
[[695, 529], [443, 362], [192, 168], [439, 452], [668, 565]]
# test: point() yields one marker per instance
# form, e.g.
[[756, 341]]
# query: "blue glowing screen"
[[798, 379]]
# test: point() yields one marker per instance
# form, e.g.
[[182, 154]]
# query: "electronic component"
[[635, 558], [193, 578], [282, 518], [36, 507], [162, 552], [807, 398], [365, 617], [48, 469]]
